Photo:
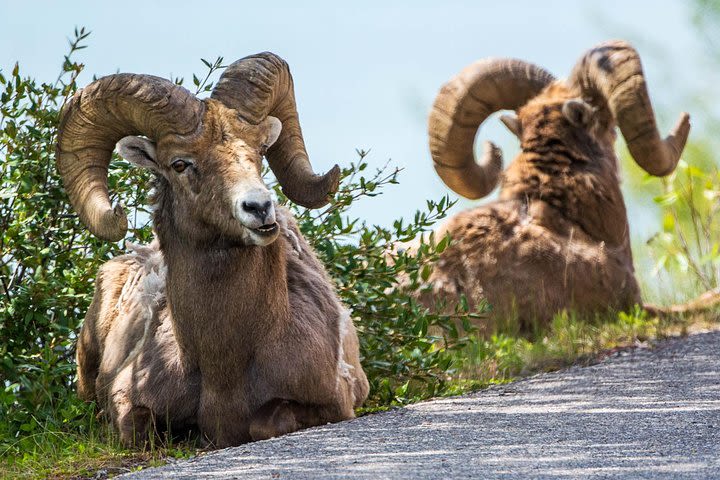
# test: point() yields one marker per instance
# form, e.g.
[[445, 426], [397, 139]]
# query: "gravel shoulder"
[[645, 413]]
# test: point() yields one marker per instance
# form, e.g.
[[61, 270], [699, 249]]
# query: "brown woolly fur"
[[269, 330], [227, 323], [557, 237]]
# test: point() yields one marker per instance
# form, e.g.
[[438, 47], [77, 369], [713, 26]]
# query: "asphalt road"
[[639, 414]]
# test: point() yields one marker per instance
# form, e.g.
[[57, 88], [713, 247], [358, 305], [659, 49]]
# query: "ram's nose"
[[261, 210], [255, 209]]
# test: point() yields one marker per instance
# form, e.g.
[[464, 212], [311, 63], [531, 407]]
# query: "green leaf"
[[667, 198]]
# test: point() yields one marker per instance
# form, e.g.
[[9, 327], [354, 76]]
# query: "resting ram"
[[557, 237], [227, 322]]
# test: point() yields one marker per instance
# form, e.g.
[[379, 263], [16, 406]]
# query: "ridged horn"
[[485, 87], [92, 122], [612, 72], [261, 85]]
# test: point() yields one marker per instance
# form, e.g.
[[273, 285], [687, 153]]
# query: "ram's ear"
[[578, 113], [512, 122], [274, 127], [139, 151]]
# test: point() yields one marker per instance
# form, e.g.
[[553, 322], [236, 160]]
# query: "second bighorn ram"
[[227, 322], [557, 237]]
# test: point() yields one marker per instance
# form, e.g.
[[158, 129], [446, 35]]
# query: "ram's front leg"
[[278, 417], [135, 423]]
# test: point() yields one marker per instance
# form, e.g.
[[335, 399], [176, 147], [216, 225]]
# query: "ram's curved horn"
[[99, 115], [612, 71], [261, 85], [461, 106]]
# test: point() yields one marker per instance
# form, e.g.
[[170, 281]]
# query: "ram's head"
[[208, 152], [606, 87]]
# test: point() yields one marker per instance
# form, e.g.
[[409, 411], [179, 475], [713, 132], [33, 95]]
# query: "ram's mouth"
[[265, 230]]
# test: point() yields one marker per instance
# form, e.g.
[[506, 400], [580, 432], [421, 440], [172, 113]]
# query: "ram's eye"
[[179, 165], [263, 149]]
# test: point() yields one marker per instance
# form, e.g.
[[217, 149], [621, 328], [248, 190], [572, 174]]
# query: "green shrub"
[[49, 262], [688, 246], [685, 253], [408, 351], [682, 259]]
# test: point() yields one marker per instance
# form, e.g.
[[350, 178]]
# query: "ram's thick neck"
[[223, 299]]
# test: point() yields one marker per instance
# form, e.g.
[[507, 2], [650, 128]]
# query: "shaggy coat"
[[558, 235], [557, 238], [142, 364]]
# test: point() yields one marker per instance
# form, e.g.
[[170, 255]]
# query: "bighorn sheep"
[[227, 322], [557, 237]]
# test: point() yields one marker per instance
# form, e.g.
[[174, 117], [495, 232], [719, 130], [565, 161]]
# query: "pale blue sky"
[[365, 74]]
